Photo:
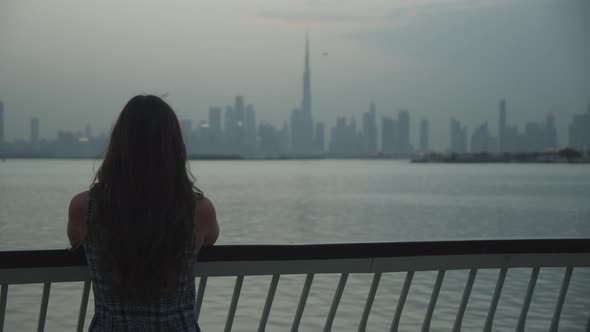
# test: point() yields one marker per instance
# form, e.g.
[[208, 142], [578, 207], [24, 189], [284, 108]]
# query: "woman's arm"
[[207, 225]]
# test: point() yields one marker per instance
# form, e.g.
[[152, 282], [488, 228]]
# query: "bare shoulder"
[[205, 207], [206, 220], [79, 200], [77, 218]]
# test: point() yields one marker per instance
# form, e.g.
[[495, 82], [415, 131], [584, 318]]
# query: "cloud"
[[373, 13], [312, 17]]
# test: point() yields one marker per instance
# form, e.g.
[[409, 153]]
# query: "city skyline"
[[240, 134], [438, 60]]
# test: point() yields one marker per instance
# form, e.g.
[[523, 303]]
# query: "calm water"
[[333, 201]]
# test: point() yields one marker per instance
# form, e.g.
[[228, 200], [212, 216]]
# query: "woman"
[[142, 223]]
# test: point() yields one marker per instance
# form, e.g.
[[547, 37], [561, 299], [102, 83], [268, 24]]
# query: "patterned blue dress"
[[172, 314]]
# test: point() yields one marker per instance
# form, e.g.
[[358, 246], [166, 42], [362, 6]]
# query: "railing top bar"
[[392, 249], [56, 258]]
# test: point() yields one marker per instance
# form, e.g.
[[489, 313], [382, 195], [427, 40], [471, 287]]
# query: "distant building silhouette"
[[579, 131], [88, 131], [402, 141], [482, 141], [458, 137], [550, 132], [34, 137], [319, 138], [270, 140], [370, 130], [250, 130], [2, 139], [534, 137], [234, 126], [387, 135], [186, 126], [344, 138], [502, 134], [424, 136], [284, 139], [215, 132], [301, 119]]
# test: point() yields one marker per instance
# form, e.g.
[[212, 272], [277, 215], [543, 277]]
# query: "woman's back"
[[142, 223], [174, 311]]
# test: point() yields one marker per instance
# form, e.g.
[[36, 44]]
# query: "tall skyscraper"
[[1, 122], [301, 119], [234, 122], [34, 131], [424, 136], [370, 130], [502, 134], [403, 133], [458, 137]]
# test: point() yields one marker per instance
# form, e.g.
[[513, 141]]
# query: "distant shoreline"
[[436, 159]]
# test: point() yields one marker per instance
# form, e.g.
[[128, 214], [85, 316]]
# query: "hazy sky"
[[72, 62]]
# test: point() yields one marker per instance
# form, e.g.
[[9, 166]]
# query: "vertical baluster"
[[3, 295], [369, 303], [435, 291], [302, 301], [200, 295], [83, 306], [401, 301], [234, 303], [335, 302], [564, 286], [527, 299], [44, 303], [495, 299], [268, 304], [464, 300]]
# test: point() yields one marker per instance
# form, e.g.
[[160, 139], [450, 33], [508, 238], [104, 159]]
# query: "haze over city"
[[71, 64]]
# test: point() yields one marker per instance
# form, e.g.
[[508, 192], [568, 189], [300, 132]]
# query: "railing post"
[[83, 306], [495, 298], [302, 301], [3, 295], [464, 300], [369, 303], [200, 295], [435, 291], [234, 303], [564, 286], [401, 301], [44, 303], [268, 304], [527, 299], [335, 302]]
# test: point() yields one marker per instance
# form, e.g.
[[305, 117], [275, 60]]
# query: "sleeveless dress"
[[174, 313]]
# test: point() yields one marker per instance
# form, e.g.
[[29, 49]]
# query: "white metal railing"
[[53, 266]]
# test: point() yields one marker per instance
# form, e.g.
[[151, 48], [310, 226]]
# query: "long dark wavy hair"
[[143, 203]]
